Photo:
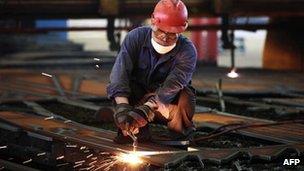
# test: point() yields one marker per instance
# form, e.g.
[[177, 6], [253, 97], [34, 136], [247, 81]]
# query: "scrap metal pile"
[[37, 138]]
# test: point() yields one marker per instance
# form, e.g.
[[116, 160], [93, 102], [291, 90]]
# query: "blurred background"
[[76, 42]]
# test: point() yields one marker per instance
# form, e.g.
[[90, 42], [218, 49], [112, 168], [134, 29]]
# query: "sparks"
[[49, 118], [94, 158], [41, 154], [233, 74], [87, 168], [102, 153], [71, 146], [67, 121], [88, 156], [80, 162], [27, 161], [77, 165], [92, 163], [60, 157], [96, 59], [3, 147], [132, 158], [48, 75], [83, 147]]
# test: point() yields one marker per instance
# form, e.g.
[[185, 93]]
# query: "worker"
[[151, 78]]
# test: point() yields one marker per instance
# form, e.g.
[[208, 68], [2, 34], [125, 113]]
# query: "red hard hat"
[[170, 16]]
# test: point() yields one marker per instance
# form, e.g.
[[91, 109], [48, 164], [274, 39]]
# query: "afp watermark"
[[291, 162]]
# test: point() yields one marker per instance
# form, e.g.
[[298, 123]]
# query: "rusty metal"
[[235, 127], [102, 140], [235, 101], [295, 102], [221, 156], [94, 138], [293, 133], [46, 91]]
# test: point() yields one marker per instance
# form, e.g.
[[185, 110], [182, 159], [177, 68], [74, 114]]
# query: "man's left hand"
[[141, 116]]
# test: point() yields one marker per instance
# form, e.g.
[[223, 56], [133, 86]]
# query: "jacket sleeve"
[[180, 76], [123, 66]]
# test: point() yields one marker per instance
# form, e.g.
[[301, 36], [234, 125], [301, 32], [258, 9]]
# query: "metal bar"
[[220, 95], [295, 102], [143, 8], [200, 100], [40, 86], [89, 8], [45, 112], [58, 86], [22, 91], [76, 83], [275, 134], [232, 50], [255, 126], [38, 109]]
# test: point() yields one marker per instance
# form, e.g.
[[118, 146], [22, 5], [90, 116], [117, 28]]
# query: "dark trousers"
[[180, 110]]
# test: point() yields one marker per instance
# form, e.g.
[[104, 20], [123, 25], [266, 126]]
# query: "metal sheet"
[[279, 133]]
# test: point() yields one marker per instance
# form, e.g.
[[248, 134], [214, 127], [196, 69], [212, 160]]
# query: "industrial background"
[[55, 61]]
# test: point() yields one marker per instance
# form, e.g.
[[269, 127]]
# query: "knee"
[[187, 96]]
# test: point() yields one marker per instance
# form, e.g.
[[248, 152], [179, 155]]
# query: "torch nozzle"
[[134, 138]]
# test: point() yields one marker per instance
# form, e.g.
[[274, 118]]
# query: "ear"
[[153, 23], [186, 25], [153, 20]]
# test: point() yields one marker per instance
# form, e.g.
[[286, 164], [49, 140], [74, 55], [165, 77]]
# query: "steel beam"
[[88, 8], [143, 8]]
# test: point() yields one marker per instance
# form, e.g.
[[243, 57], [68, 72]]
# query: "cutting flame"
[[233, 74], [132, 158]]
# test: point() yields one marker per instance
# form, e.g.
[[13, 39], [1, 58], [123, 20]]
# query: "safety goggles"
[[165, 36]]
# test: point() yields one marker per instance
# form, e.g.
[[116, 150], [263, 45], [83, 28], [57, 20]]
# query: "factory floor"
[[94, 80]]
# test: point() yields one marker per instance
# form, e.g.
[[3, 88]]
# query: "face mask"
[[160, 48]]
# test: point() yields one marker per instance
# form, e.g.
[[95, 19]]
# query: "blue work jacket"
[[138, 63]]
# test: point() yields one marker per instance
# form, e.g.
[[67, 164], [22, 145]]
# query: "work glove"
[[142, 115], [121, 116], [131, 121], [128, 121]]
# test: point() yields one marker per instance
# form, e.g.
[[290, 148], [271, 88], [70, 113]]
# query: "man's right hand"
[[130, 119], [121, 117]]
